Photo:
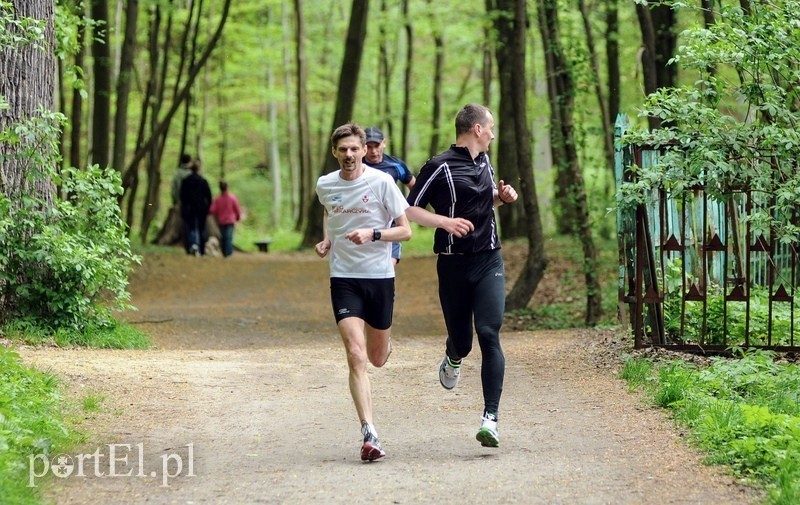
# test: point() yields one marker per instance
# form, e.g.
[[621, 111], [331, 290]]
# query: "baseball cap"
[[374, 134]]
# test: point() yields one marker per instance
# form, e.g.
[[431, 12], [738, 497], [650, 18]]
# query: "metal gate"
[[694, 273]]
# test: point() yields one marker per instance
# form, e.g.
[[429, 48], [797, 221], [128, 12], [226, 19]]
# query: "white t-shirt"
[[373, 200]]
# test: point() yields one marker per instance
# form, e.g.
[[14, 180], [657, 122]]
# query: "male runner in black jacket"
[[459, 185]]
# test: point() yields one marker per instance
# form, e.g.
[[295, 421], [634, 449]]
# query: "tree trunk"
[[294, 175], [436, 98], [664, 23], [101, 53], [486, 67], [184, 91], [124, 84], [28, 86], [564, 208], [608, 130], [512, 223], [130, 180], [746, 8], [576, 189], [158, 67], [709, 21], [612, 58], [76, 107], [222, 110], [307, 197], [384, 87], [405, 121], [191, 29], [513, 44], [274, 146], [648, 57], [345, 102], [155, 140]]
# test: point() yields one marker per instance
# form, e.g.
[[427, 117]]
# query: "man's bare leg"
[[359, 349]]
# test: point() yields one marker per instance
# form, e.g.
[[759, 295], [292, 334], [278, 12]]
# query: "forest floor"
[[244, 399]]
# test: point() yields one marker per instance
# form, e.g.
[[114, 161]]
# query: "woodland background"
[[253, 90], [99, 98], [273, 62]]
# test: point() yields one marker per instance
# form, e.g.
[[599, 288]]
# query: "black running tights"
[[472, 288]]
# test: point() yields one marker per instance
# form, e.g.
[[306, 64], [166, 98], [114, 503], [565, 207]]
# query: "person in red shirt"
[[225, 209]]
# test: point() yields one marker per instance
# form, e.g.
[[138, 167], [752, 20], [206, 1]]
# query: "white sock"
[[368, 428]]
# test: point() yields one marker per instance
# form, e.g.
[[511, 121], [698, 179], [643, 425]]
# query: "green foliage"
[[736, 124], [63, 263], [31, 423], [553, 316], [18, 31], [69, 23], [674, 381], [744, 412], [636, 372]]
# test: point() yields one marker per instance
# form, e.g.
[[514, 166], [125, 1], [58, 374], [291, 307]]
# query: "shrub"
[[66, 265]]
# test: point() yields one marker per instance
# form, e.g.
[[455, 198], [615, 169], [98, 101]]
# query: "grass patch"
[[114, 335], [743, 412], [31, 423], [636, 372], [93, 403]]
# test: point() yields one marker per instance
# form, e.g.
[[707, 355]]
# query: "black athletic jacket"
[[455, 185]]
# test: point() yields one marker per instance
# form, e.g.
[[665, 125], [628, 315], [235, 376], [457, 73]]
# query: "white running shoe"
[[488, 435], [449, 374]]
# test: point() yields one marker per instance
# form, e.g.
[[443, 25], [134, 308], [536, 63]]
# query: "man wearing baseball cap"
[[397, 168]]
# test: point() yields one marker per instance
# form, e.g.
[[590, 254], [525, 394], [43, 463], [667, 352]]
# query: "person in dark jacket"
[[195, 197], [459, 185], [392, 165]]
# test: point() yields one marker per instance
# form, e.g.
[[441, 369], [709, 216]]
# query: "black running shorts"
[[369, 299]]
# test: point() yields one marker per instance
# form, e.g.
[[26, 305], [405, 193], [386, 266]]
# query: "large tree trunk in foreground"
[[27, 83]]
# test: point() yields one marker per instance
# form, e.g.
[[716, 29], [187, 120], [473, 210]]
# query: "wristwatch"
[[376, 234]]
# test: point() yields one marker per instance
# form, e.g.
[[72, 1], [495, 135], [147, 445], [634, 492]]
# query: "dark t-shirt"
[[393, 166]]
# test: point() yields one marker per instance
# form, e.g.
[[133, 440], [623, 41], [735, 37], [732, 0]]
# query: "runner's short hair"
[[470, 115], [347, 130]]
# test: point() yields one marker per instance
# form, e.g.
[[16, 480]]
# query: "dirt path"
[[247, 388]]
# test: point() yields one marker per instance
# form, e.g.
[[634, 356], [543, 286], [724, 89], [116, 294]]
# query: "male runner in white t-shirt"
[[360, 205]]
